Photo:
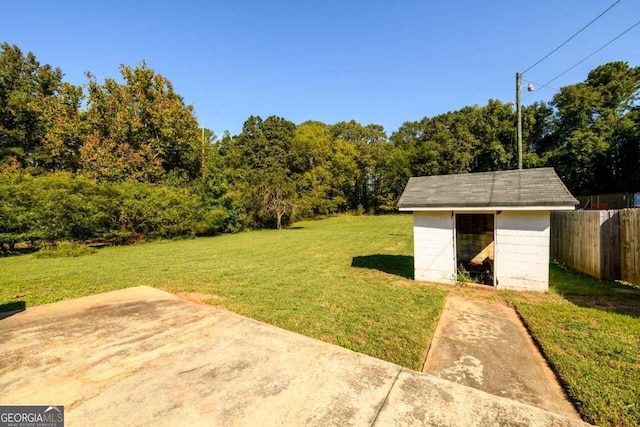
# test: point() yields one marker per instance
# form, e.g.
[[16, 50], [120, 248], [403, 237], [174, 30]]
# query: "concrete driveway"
[[141, 356]]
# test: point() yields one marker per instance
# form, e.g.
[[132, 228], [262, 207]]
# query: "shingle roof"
[[527, 187]]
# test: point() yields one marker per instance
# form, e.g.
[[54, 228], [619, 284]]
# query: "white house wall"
[[522, 250], [433, 241]]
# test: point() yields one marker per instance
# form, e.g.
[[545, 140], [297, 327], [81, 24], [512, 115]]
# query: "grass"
[[589, 330], [342, 280], [346, 280]]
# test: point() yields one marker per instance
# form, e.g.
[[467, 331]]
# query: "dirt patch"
[[197, 297], [402, 283], [357, 338], [476, 286], [476, 292], [395, 247], [327, 338]]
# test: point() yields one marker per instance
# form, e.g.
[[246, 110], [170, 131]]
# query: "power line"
[[571, 38], [590, 55]]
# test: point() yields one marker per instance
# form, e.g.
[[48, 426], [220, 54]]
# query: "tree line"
[[102, 147]]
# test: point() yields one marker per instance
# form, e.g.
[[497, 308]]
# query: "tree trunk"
[[279, 216]]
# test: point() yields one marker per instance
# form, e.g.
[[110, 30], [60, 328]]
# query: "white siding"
[[434, 251], [522, 250]]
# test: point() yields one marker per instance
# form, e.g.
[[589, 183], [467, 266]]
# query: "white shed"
[[490, 227]]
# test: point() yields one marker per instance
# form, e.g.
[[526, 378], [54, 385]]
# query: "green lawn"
[[345, 280], [589, 331]]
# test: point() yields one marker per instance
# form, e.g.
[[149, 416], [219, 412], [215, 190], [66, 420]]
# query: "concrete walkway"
[[141, 357], [485, 345]]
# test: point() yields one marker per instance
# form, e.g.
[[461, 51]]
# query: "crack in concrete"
[[384, 401]]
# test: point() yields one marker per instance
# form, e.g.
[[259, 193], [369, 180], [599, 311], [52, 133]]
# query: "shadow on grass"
[[586, 291], [400, 265], [620, 301], [11, 308]]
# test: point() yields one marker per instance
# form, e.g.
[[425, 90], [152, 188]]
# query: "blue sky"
[[383, 62]]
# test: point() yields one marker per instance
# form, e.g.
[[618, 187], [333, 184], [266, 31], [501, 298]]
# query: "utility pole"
[[519, 120]]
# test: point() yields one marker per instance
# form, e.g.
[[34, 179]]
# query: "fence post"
[[630, 245]]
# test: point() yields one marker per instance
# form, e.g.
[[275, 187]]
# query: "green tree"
[[139, 130], [440, 145], [366, 142], [64, 129], [594, 130], [222, 210], [628, 153], [492, 127], [25, 86], [259, 165], [312, 153]]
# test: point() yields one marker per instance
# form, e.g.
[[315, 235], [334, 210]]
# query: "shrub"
[[60, 206], [157, 211], [65, 249]]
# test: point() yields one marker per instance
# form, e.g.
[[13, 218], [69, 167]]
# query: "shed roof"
[[513, 188]]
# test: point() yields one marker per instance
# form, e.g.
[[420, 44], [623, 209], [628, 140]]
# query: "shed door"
[[475, 247]]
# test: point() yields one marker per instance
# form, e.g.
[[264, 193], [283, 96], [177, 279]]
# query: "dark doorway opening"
[[475, 248]]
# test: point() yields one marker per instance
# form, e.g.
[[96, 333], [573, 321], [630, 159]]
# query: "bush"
[[72, 208], [52, 207], [157, 211], [17, 214], [65, 249], [61, 206], [222, 211]]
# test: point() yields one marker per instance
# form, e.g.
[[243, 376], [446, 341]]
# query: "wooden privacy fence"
[[630, 245], [603, 244]]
